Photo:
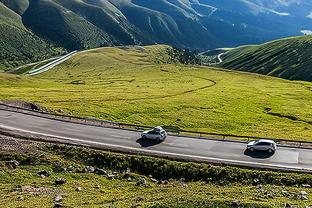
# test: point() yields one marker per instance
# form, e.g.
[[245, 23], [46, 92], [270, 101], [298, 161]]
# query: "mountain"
[[288, 58], [194, 24], [17, 44]]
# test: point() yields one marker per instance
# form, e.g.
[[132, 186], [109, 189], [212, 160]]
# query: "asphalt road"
[[285, 158], [51, 65]]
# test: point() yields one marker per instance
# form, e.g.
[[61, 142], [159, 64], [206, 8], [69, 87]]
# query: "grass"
[[286, 58], [126, 85], [99, 191]]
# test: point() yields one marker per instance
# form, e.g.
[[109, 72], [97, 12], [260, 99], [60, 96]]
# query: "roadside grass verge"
[[187, 184], [126, 85]]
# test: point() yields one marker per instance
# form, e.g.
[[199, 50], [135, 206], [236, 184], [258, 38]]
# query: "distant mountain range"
[[195, 24]]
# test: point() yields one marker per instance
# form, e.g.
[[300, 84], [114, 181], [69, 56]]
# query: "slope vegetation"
[[146, 85], [17, 44], [103, 179], [287, 58]]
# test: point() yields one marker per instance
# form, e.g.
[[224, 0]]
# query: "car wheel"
[[143, 137], [252, 149]]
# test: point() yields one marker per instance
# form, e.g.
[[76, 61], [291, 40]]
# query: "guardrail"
[[171, 131]]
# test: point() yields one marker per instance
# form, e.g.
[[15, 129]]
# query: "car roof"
[[266, 141], [158, 129]]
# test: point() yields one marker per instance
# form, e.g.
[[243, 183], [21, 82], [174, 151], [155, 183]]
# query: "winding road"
[[51, 65], [176, 147]]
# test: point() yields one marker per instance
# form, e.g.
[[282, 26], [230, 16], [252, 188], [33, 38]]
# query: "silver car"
[[262, 145], [158, 134]]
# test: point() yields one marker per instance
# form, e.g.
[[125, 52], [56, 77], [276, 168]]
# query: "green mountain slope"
[[54, 22], [286, 58], [18, 6], [17, 44]]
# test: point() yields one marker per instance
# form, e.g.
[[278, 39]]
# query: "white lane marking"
[[163, 153]]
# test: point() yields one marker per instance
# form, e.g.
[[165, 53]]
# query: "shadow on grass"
[[148, 143], [258, 154]]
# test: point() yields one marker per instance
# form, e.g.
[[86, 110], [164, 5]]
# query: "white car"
[[262, 145], [158, 134]]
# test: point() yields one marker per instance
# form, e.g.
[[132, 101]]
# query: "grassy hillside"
[[17, 44], [286, 58], [22, 186], [126, 84]]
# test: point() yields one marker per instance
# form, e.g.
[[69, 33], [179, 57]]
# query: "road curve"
[[233, 153], [51, 65]]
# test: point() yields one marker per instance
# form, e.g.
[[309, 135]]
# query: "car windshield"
[[257, 141], [153, 132]]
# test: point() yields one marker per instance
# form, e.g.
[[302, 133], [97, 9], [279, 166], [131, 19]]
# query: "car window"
[[153, 132], [263, 143]]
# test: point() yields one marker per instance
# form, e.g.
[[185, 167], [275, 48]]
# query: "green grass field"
[[127, 85], [100, 191]]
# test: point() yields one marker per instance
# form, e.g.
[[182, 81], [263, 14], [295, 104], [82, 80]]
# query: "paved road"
[[219, 58], [173, 146], [51, 65]]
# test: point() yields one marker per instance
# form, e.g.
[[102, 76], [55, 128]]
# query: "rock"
[[60, 181], [165, 182], [97, 186], [270, 196], [235, 203], [150, 176], [303, 193], [34, 107], [58, 198], [285, 193], [111, 176], [154, 180], [127, 175], [159, 182], [129, 179], [60, 111], [57, 168], [21, 198], [78, 189], [89, 169], [256, 181], [33, 190], [100, 171], [306, 185], [44, 173], [70, 168], [57, 205], [141, 182], [13, 164]]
